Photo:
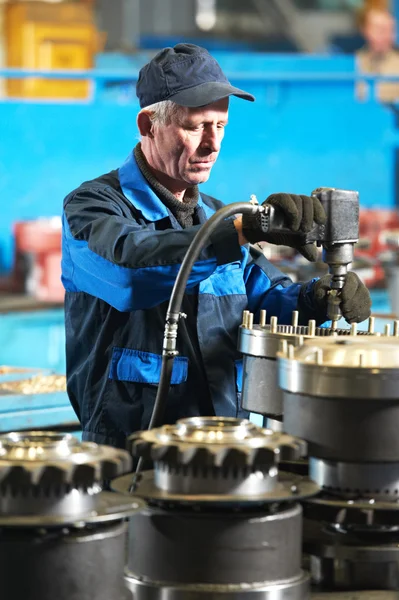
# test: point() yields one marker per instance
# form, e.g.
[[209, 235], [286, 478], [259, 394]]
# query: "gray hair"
[[162, 112]]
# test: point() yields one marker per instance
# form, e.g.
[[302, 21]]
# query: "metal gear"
[[53, 479], [53, 512], [50, 460], [216, 443], [216, 491], [209, 457]]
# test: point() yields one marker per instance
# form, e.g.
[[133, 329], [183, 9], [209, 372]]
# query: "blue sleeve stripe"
[[123, 288], [144, 367]]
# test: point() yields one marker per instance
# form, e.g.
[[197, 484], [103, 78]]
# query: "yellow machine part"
[[47, 36]]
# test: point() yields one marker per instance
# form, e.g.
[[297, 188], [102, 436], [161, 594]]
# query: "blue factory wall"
[[305, 130]]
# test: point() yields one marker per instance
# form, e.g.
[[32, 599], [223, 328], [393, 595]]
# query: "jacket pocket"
[[144, 367]]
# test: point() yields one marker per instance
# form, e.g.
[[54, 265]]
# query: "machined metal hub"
[[375, 480], [294, 590], [353, 558], [260, 344], [219, 513], [342, 397], [54, 479], [290, 487], [56, 521], [261, 549], [216, 457]]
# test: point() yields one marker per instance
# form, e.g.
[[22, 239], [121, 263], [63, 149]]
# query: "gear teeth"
[[167, 454], [263, 457], [85, 475], [292, 449], [196, 456], [113, 467], [86, 465], [243, 450], [140, 447], [4, 471], [231, 458], [48, 475], [16, 476]]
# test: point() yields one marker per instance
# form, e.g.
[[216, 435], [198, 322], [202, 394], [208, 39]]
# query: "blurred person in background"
[[125, 235], [379, 56]]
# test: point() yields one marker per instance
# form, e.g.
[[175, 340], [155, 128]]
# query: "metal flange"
[[214, 459], [347, 367], [357, 511], [260, 344], [266, 340], [288, 487]]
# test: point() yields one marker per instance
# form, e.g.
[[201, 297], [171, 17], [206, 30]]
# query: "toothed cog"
[[216, 442], [47, 459]]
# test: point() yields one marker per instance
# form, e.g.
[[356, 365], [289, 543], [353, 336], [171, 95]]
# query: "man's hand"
[[300, 212], [355, 297]]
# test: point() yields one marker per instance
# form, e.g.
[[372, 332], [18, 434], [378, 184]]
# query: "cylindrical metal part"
[[338, 257], [347, 406], [61, 537], [273, 424], [261, 393], [334, 429], [250, 483], [294, 590], [70, 504], [374, 480], [349, 560], [216, 456], [219, 548], [63, 564], [221, 522]]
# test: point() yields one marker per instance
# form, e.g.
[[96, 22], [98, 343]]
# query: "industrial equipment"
[[50, 36], [62, 537], [222, 522], [341, 395], [337, 237], [259, 345]]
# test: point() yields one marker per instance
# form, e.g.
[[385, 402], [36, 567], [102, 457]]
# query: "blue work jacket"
[[121, 252]]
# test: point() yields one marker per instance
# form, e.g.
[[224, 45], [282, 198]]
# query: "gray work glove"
[[355, 297], [301, 213]]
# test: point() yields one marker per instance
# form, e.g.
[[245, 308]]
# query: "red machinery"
[[37, 266]]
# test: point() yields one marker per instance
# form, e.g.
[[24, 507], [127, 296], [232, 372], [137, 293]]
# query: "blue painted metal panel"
[[306, 129], [23, 402], [33, 339], [37, 418]]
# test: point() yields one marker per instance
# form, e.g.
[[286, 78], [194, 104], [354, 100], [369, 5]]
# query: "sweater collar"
[[137, 190]]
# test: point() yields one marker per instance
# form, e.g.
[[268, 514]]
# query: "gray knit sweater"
[[184, 210]]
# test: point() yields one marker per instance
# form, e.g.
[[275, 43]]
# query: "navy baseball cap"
[[186, 74]]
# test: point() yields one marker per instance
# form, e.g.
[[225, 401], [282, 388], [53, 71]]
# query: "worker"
[[379, 56], [125, 235]]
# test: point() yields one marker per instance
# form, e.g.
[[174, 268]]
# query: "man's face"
[[187, 148], [379, 31]]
